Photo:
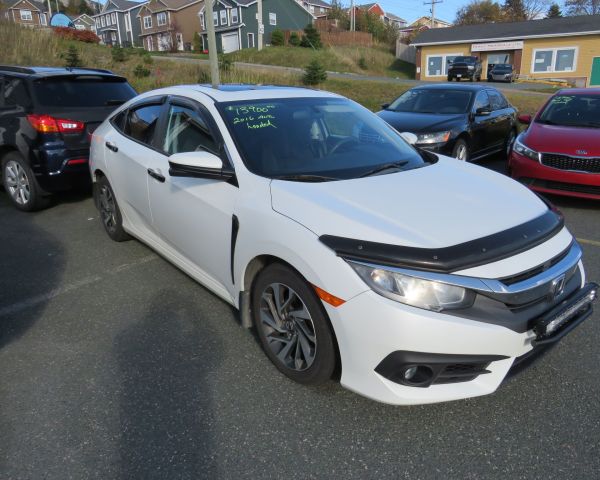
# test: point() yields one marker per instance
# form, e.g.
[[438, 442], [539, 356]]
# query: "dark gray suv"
[[465, 67]]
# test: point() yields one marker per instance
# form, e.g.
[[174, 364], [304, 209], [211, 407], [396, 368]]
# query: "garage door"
[[230, 42]]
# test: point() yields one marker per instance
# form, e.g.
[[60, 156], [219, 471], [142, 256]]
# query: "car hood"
[[420, 122], [565, 140], [441, 205]]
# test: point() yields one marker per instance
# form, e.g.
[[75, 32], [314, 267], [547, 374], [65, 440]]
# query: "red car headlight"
[[524, 150]]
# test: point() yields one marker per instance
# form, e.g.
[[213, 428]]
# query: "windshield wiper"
[[300, 177], [384, 167]]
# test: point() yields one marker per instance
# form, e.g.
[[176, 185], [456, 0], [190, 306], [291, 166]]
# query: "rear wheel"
[[21, 185], [292, 325], [110, 214], [461, 150]]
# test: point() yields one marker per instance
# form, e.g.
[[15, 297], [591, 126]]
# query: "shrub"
[[311, 37], [118, 54], [294, 39], [277, 38], [362, 63], [204, 77], [314, 74], [140, 71], [78, 35], [147, 59], [71, 57], [225, 63], [197, 42]]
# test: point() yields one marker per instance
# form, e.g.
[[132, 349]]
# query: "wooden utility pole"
[[261, 27], [432, 3], [212, 44]]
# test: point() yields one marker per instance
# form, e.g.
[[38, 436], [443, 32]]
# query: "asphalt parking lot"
[[114, 364]]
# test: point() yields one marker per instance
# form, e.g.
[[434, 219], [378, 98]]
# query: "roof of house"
[[318, 3], [427, 18], [391, 16], [11, 4], [170, 5], [547, 27]]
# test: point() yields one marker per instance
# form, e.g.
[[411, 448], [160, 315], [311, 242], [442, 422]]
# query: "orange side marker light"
[[328, 297]]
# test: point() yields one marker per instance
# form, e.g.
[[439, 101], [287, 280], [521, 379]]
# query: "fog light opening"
[[417, 375]]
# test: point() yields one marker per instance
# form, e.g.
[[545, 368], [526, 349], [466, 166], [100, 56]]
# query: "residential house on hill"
[[169, 24], [30, 13], [318, 8], [377, 10], [394, 20], [236, 23], [84, 22], [117, 23]]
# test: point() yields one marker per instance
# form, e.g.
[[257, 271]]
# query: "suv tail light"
[[49, 124]]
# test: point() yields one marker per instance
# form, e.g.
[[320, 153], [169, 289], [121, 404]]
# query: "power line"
[[432, 3]]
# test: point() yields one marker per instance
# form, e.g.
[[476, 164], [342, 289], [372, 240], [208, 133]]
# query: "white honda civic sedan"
[[412, 276]]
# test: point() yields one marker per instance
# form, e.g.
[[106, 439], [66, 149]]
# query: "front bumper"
[[371, 328], [551, 180]]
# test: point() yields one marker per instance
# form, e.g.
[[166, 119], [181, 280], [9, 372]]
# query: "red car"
[[560, 150]]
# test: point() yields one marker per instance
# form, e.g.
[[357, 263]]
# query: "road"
[[522, 87], [115, 365]]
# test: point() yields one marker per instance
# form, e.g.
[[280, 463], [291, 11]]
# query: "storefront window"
[[437, 65], [543, 61], [565, 59], [554, 60]]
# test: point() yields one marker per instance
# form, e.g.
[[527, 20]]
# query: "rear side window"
[[141, 123], [82, 91], [481, 101], [14, 93]]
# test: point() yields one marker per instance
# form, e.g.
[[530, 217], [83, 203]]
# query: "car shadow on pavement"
[[30, 271], [166, 361]]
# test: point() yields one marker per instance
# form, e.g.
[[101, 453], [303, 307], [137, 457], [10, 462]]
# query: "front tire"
[[21, 185], [110, 213], [292, 325], [509, 143], [461, 150]]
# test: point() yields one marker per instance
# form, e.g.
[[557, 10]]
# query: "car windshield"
[[572, 111], [443, 101], [464, 60], [82, 91], [315, 139], [502, 68]]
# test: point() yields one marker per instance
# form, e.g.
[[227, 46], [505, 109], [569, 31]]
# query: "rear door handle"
[[112, 146], [156, 175]]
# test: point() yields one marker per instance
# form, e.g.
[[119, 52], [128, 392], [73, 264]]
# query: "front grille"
[[535, 271], [566, 187], [461, 372], [566, 162]]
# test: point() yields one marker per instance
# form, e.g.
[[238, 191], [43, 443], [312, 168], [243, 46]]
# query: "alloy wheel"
[[461, 152], [288, 327], [108, 208], [17, 183]]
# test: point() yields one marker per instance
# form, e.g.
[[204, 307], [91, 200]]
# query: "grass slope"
[[23, 46]]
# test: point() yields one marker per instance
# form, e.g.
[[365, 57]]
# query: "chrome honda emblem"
[[581, 152], [558, 286]]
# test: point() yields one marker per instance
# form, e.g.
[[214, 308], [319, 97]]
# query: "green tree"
[[197, 42], [72, 7], [554, 11], [140, 71], [84, 8], [294, 39], [311, 37], [514, 11], [71, 57], [277, 38], [118, 54], [314, 73], [479, 11], [339, 13]]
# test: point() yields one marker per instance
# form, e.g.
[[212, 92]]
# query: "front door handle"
[[112, 146], [156, 175]]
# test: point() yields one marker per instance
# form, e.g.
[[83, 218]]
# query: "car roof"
[[240, 92], [41, 72], [578, 91]]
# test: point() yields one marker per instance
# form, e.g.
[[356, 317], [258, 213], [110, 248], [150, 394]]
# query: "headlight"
[[523, 149], [414, 291], [470, 67], [438, 137]]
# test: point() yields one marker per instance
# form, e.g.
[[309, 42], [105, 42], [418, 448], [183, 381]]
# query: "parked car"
[[465, 67], [421, 278], [560, 151], [47, 116], [465, 122], [502, 72]]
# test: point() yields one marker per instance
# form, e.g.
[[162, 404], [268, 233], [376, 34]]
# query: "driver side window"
[[187, 131], [482, 101]]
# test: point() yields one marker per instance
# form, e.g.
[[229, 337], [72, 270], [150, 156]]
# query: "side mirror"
[[200, 164], [525, 119], [385, 106], [483, 112], [409, 137]]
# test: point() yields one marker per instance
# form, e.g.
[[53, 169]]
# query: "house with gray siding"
[[236, 22], [118, 23]]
